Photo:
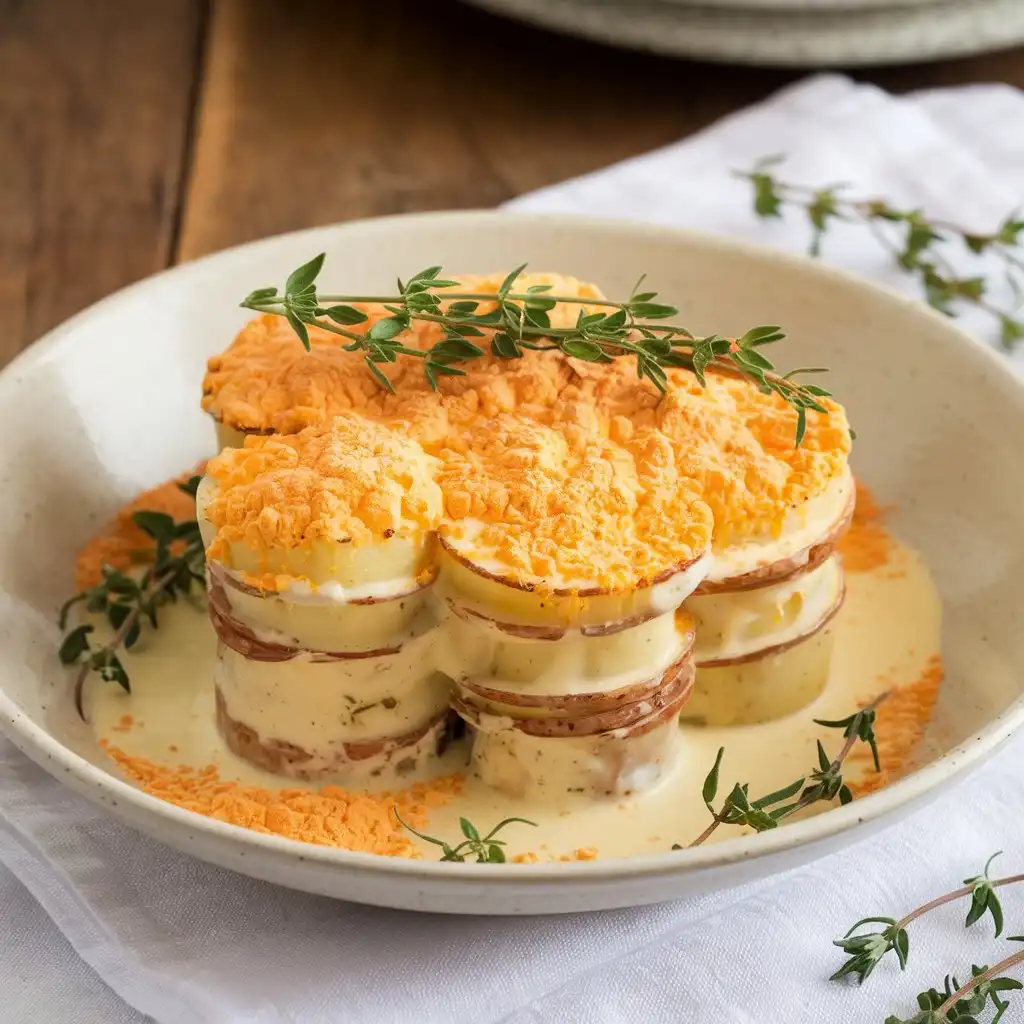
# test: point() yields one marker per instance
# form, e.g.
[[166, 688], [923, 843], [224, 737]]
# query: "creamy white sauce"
[[331, 592], [319, 705], [884, 635], [545, 770], [735, 625]]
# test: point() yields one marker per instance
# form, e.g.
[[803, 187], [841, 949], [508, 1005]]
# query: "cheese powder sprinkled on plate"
[[328, 817], [867, 544]]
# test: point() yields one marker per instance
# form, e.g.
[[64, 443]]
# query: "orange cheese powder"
[[331, 816], [121, 543], [867, 544], [902, 718], [570, 465]]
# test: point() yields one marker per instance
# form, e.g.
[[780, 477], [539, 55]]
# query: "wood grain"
[[311, 111], [318, 111], [94, 114]]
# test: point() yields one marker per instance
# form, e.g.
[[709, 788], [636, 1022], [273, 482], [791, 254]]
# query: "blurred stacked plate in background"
[[790, 33]]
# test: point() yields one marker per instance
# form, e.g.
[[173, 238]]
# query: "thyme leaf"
[[177, 566], [485, 848], [822, 784], [517, 320], [917, 244]]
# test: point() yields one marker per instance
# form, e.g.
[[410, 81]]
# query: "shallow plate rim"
[[42, 747]]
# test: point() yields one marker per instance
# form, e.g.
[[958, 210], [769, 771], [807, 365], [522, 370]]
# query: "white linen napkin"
[[185, 942]]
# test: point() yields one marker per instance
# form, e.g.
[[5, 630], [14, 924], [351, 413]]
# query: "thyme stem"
[[826, 782], [951, 897], [515, 321], [118, 638], [914, 241], [1010, 961]]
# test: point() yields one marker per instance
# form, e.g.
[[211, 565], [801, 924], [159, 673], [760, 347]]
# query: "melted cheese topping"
[[735, 443], [804, 525], [267, 382], [524, 502], [350, 482], [554, 474]]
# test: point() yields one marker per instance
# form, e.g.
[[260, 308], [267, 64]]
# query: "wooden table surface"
[[138, 133]]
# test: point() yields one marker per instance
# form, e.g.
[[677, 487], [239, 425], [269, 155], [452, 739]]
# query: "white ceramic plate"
[[812, 6], [109, 404], [816, 6], [788, 38]]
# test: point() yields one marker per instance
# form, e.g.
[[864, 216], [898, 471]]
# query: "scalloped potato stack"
[[553, 550]]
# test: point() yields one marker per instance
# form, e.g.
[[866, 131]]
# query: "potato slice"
[[242, 613], [393, 755], [738, 625], [583, 676], [580, 718], [617, 763], [780, 682], [808, 537], [476, 589]]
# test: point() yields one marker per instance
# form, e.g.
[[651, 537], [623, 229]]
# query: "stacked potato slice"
[[563, 554], [762, 616], [321, 558], [573, 564], [581, 691]]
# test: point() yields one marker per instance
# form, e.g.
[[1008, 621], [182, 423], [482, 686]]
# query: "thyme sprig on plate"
[[822, 784], [918, 244], [867, 949], [485, 848], [511, 322], [129, 603]]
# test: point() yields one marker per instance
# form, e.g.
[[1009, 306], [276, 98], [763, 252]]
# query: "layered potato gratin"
[[564, 556], [585, 577]]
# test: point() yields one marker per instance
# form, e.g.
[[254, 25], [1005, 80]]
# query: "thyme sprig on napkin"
[[129, 603], [918, 244], [954, 1001], [963, 1003], [511, 322], [867, 949], [821, 784]]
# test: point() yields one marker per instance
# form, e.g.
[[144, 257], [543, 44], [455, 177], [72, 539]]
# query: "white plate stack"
[[793, 33]]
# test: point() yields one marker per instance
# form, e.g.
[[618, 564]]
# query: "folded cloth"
[[186, 942]]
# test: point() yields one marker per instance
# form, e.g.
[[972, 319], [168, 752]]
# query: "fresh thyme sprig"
[[515, 321], [867, 949], [915, 241], [963, 1003], [486, 849], [823, 784], [128, 603]]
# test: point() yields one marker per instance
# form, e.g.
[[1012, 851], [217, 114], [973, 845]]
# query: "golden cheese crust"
[[266, 382], [567, 511], [348, 480], [544, 466]]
